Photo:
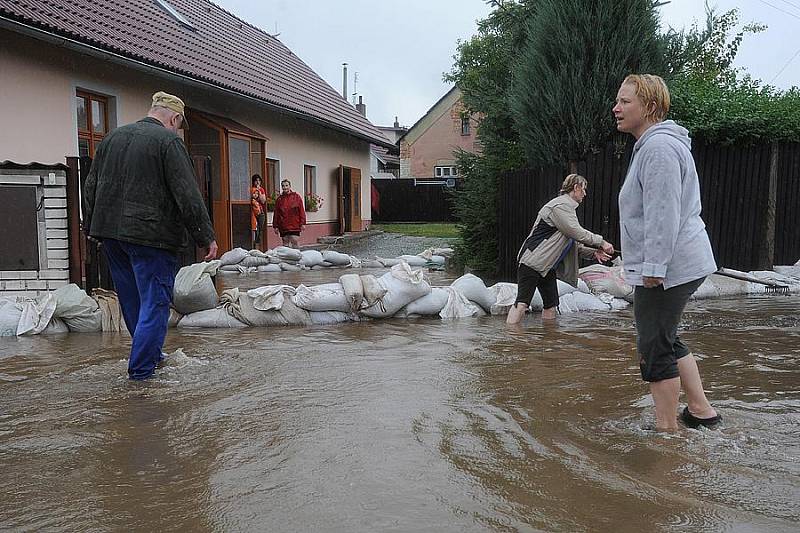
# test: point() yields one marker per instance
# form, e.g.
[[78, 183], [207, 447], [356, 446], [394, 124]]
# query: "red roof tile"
[[221, 50]]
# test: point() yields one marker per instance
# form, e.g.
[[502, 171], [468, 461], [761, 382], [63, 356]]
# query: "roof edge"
[[102, 53], [428, 112]]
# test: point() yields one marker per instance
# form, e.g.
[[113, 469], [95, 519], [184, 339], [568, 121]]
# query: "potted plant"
[[313, 202], [271, 199]]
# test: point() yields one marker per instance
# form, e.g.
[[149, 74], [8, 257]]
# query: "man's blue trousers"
[[143, 277]]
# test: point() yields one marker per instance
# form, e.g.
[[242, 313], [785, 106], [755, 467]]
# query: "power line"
[[780, 9], [791, 4], [786, 65]]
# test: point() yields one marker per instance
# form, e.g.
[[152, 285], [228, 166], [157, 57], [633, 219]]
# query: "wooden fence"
[[409, 200], [750, 195]]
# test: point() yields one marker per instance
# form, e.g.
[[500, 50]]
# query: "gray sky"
[[400, 49]]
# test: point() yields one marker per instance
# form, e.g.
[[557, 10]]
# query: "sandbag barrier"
[[402, 292]]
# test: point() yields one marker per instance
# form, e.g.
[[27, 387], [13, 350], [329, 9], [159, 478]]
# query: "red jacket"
[[290, 212]]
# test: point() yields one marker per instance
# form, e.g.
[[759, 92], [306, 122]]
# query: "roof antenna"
[[355, 87], [276, 34]]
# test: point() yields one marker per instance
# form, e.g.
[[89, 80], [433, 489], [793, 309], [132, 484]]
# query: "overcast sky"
[[400, 49]]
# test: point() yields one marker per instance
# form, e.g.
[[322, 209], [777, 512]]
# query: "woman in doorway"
[[666, 252], [258, 209], [550, 246]]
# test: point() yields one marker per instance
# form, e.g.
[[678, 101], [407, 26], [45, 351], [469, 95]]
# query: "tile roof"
[[221, 49]]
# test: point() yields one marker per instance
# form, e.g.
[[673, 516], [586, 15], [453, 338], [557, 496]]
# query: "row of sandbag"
[[282, 259], [400, 292], [602, 279], [66, 309]]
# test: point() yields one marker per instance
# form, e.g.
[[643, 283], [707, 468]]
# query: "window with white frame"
[[445, 171]]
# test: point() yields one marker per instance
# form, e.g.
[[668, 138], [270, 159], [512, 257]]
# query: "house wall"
[[435, 146], [38, 102]]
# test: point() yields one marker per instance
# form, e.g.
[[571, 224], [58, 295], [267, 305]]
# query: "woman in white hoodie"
[[666, 252]]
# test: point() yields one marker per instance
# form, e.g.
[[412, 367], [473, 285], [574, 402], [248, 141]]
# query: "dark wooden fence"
[[736, 191], [409, 200]]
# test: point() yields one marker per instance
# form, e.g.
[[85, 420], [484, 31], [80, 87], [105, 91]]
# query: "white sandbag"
[[336, 258], [258, 253], [289, 267], [446, 252], [194, 289], [372, 263], [325, 297], [252, 261], [233, 257], [372, 289], [388, 262], [567, 304], [311, 258], [583, 287], [791, 271], [618, 304], [505, 295], [174, 318], [270, 268], [229, 269], [210, 318], [10, 314], [355, 262], [589, 302], [287, 254], [604, 279], [327, 318], [729, 286], [413, 260], [241, 307], [77, 309], [429, 305], [431, 257], [55, 326], [36, 314], [459, 306], [270, 297], [403, 285], [353, 290], [565, 288], [706, 290], [475, 290]]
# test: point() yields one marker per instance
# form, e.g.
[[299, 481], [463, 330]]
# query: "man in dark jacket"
[[140, 198]]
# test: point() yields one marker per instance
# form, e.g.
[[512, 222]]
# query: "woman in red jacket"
[[289, 218]]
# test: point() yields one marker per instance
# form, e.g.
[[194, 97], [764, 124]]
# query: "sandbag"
[[618, 304], [353, 290], [174, 318], [388, 262], [403, 285], [252, 261], [336, 258], [233, 257], [270, 297], [77, 309], [326, 297], [310, 258], [372, 263], [288, 255], [372, 289], [326, 318], [235, 269], [210, 318], [609, 280], [589, 302], [10, 314], [728, 286], [414, 260], [355, 262], [241, 307], [429, 305], [459, 306], [270, 268], [475, 290], [111, 312], [706, 290], [289, 267], [36, 314], [505, 295], [55, 326], [194, 289]]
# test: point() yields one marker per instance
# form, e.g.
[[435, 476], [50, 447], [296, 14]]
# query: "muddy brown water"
[[403, 425]]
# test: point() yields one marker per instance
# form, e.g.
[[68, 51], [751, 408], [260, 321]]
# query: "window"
[[309, 179], [273, 176], [440, 172], [92, 113], [166, 6], [465, 125]]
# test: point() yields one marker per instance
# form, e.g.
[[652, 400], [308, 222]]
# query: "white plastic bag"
[[194, 289]]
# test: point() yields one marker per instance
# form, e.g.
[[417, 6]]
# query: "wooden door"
[[355, 199], [340, 200]]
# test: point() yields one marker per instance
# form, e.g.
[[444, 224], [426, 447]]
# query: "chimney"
[[361, 107], [396, 124], [344, 80]]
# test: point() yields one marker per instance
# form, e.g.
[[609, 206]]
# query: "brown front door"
[[355, 199], [340, 200]]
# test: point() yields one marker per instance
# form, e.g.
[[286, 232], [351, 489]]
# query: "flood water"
[[403, 425]]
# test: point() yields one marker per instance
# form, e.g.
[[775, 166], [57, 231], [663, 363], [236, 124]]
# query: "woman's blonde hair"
[[571, 181], [651, 89]]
